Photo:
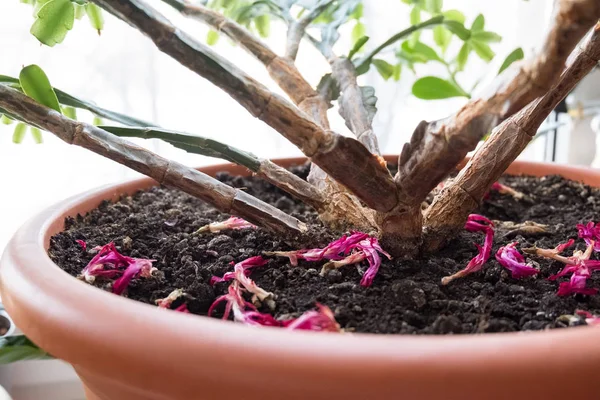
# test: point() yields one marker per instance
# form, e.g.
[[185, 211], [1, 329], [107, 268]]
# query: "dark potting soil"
[[406, 296]]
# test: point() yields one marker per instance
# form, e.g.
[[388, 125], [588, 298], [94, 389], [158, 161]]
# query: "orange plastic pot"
[[125, 350]]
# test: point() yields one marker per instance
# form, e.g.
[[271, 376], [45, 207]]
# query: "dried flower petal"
[[503, 189], [182, 308], [139, 267], [82, 243], [321, 319], [590, 233], [590, 319], [231, 223], [332, 251], [167, 301], [510, 258], [107, 256], [246, 265], [474, 224]]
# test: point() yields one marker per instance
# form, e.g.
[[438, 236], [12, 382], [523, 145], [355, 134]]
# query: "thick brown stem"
[[449, 210], [344, 159], [437, 147], [169, 173]]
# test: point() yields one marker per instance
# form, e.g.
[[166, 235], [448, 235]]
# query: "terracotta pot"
[[125, 350]]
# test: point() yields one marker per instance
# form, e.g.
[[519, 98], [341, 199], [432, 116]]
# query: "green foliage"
[[385, 69], [95, 16], [19, 348], [358, 45], [516, 55], [19, 133], [54, 19], [212, 37], [36, 85], [6, 120], [36, 134], [434, 88]]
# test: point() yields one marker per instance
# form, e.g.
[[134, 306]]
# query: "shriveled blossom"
[[344, 251], [503, 189], [82, 243], [230, 223], [590, 319], [105, 264], [138, 267], [167, 301], [240, 273], [590, 232], [511, 259], [579, 266], [111, 264], [245, 312], [332, 251], [476, 223]]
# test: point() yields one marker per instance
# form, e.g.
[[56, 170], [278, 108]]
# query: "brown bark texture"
[[346, 160], [165, 172], [450, 208]]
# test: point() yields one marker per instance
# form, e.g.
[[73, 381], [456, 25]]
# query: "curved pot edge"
[[25, 268]]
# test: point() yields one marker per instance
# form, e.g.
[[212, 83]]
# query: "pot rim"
[[56, 302]]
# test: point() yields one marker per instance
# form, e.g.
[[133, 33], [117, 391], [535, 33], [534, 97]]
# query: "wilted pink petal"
[[563, 246], [108, 256], [234, 301], [332, 251], [576, 284], [351, 259], [82, 244], [246, 265], [503, 189], [589, 318], [167, 301], [510, 258], [474, 224], [182, 308], [371, 248], [590, 232], [139, 267], [231, 223], [321, 319]]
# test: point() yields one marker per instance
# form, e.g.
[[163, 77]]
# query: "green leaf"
[[358, 12], [97, 121], [415, 15], [358, 32], [427, 52], [397, 72], [36, 85], [6, 120], [212, 37], [79, 11], [69, 112], [483, 50], [434, 6], [434, 88], [478, 23], [454, 15], [486, 37], [458, 29], [54, 20], [37, 135], [385, 69], [463, 56], [516, 55], [95, 16], [442, 37], [19, 133], [19, 348], [357, 46], [263, 25]]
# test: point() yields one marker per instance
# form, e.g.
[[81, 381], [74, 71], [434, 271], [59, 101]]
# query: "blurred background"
[[121, 70]]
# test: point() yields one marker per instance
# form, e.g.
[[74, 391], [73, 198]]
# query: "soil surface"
[[406, 296]]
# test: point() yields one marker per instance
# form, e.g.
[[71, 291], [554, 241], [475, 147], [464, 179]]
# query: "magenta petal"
[[82, 244], [511, 259]]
